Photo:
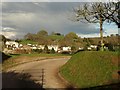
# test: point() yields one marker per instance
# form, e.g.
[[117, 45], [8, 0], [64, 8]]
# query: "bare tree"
[[98, 13], [113, 12]]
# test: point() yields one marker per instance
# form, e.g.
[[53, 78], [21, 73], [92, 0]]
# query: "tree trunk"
[[101, 33]]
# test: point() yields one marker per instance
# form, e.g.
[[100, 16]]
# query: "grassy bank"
[[38, 55], [91, 68]]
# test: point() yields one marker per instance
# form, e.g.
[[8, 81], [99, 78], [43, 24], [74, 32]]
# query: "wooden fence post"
[[42, 77]]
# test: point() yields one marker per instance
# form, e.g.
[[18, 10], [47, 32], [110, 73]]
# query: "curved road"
[[51, 68]]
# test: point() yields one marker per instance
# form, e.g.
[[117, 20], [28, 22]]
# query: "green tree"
[[52, 50], [71, 39], [42, 33], [46, 50], [73, 49], [29, 36], [3, 38], [2, 42], [71, 35]]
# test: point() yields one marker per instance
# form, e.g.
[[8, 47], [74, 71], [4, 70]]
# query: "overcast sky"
[[20, 18]]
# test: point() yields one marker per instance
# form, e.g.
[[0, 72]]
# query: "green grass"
[[27, 41], [91, 68], [56, 37], [40, 55]]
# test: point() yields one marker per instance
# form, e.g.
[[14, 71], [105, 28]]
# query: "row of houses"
[[12, 45], [92, 47]]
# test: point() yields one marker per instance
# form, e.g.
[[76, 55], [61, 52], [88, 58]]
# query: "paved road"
[[51, 68]]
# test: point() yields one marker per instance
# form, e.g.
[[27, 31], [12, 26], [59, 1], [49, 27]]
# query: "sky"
[[20, 18]]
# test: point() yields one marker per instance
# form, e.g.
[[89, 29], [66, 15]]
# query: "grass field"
[[56, 37], [39, 55], [91, 68], [24, 42]]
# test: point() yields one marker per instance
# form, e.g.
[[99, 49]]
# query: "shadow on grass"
[[17, 80]]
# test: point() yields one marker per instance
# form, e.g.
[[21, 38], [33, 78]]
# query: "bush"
[[4, 57], [52, 51], [66, 52], [22, 51], [46, 50], [73, 49], [37, 50], [110, 46]]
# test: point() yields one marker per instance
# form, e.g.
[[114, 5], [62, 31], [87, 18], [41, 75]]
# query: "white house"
[[81, 48], [93, 46], [29, 44], [89, 48], [55, 47], [20, 45], [41, 47], [68, 48], [12, 44], [34, 47]]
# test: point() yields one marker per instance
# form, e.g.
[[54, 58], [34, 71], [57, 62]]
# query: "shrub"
[[37, 50], [52, 50]]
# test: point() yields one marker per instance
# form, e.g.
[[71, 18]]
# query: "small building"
[[55, 47], [12, 44], [29, 44], [89, 48], [20, 45], [81, 48], [41, 47], [67, 48], [34, 47], [93, 46]]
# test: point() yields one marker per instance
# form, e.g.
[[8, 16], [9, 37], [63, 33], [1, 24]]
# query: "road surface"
[[51, 69]]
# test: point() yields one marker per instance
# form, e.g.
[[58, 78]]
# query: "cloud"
[[8, 32], [18, 19], [16, 1], [60, 1], [7, 29], [88, 35], [33, 16]]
